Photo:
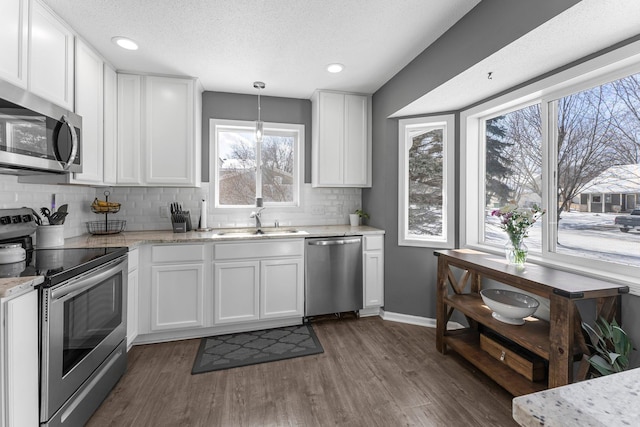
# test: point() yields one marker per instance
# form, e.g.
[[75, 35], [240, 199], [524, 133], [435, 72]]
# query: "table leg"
[[561, 337]]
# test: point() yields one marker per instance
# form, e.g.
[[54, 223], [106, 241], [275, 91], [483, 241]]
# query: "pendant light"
[[259, 123]]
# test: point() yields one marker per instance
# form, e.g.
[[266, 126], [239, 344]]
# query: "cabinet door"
[[110, 133], [132, 307], [177, 296], [282, 288], [169, 131], [373, 279], [329, 143], [13, 41], [129, 129], [89, 104], [50, 57], [21, 369], [237, 291], [356, 150]]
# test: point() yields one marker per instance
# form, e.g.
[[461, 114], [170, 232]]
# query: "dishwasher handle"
[[332, 242]]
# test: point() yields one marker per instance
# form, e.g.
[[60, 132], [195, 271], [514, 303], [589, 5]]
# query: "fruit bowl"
[[509, 306]]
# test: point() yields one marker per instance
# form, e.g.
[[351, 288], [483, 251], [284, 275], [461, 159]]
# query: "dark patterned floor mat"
[[248, 348]]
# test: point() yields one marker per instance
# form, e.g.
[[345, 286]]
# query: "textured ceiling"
[[228, 44], [587, 27]]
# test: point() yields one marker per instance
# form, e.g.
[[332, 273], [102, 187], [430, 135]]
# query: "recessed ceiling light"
[[125, 43], [335, 68]]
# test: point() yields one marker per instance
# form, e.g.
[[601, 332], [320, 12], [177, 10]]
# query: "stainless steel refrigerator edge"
[[333, 275]]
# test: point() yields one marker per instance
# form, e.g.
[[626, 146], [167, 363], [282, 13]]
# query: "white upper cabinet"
[[110, 103], [158, 131], [341, 143], [89, 104], [170, 137], [14, 21], [50, 57], [129, 129]]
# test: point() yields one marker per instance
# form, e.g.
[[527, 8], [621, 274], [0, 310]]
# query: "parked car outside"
[[628, 222]]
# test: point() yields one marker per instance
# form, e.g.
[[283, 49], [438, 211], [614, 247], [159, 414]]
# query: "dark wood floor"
[[372, 373]]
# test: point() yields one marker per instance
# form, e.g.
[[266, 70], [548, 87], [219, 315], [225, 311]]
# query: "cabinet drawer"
[[133, 259], [254, 249], [373, 243], [177, 253], [515, 357]]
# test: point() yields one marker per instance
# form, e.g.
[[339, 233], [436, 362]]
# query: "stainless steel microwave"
[[37, 136]]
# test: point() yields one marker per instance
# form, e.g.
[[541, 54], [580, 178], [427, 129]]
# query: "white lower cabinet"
[[281, 291], [373, 265], [132, 298], [171, 289], [258, 280], [19, 356], [237, 291], [177, 296]]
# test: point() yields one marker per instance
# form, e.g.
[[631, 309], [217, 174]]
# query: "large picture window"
[[244, 169], [573, 145], [426, 182]]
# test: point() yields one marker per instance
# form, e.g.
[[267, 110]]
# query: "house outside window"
[[571, 143], [426, 182], [244, 169]]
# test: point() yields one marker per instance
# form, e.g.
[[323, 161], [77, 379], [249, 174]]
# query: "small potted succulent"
[[357, 217]]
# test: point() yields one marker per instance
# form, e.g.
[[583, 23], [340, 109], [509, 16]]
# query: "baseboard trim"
[[416, 320]]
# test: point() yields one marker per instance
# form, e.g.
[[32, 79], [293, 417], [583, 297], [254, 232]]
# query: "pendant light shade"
[[259, 123]]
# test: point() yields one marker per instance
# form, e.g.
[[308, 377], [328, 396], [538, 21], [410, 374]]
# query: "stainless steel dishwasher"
[[333, 275]]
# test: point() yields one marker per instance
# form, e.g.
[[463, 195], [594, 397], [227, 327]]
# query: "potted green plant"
[[610, 347], [356, 218]]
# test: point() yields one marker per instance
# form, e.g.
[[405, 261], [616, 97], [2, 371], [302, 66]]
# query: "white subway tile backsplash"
[[141, 207]]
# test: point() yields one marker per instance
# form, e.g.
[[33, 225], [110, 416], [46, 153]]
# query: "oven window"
[[89, 318]]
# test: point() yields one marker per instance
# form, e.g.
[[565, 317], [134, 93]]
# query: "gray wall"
[[410, 273], [234, 106]]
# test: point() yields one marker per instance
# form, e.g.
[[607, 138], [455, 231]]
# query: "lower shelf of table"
[[467, 345]]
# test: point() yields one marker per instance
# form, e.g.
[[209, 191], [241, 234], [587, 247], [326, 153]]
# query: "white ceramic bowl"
[[508, 306]]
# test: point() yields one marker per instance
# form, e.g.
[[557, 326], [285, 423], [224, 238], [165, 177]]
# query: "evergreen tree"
[[498, 165]]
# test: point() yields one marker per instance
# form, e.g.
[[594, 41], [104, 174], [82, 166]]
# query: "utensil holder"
[[49, 236]]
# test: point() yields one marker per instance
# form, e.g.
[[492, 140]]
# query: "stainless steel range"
[[82, 320]]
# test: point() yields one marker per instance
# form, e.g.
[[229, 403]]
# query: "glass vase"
[[516, 254]]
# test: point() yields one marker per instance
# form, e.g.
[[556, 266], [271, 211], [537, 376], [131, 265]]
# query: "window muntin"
[[236, 156], [426, 182], [590, 75]]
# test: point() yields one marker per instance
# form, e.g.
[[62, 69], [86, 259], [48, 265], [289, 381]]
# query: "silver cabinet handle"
[[332, 242], [74, 144]]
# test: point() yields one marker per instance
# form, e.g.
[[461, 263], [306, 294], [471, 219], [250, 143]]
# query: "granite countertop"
[[10, 287], [610, 401], [133, 239], [14, 286]]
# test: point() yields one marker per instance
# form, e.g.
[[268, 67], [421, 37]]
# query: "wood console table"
[[559, 341]]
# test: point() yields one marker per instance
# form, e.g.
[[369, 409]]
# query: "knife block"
[[181, 222]]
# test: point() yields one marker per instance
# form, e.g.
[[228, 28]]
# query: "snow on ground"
[[584, 234]]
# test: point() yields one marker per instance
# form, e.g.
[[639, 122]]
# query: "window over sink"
[[244, 169]]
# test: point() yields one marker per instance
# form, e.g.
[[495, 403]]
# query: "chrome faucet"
[[256, 215]]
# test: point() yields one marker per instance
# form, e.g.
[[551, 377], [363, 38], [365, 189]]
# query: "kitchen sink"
[[265, 231]]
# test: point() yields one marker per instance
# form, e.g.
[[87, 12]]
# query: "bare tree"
[[585, 140]]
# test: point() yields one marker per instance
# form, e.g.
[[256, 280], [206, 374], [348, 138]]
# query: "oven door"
[[83, 321]]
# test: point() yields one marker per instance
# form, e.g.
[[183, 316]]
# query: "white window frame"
[[216, 125], [602, 69], [406, 129]]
